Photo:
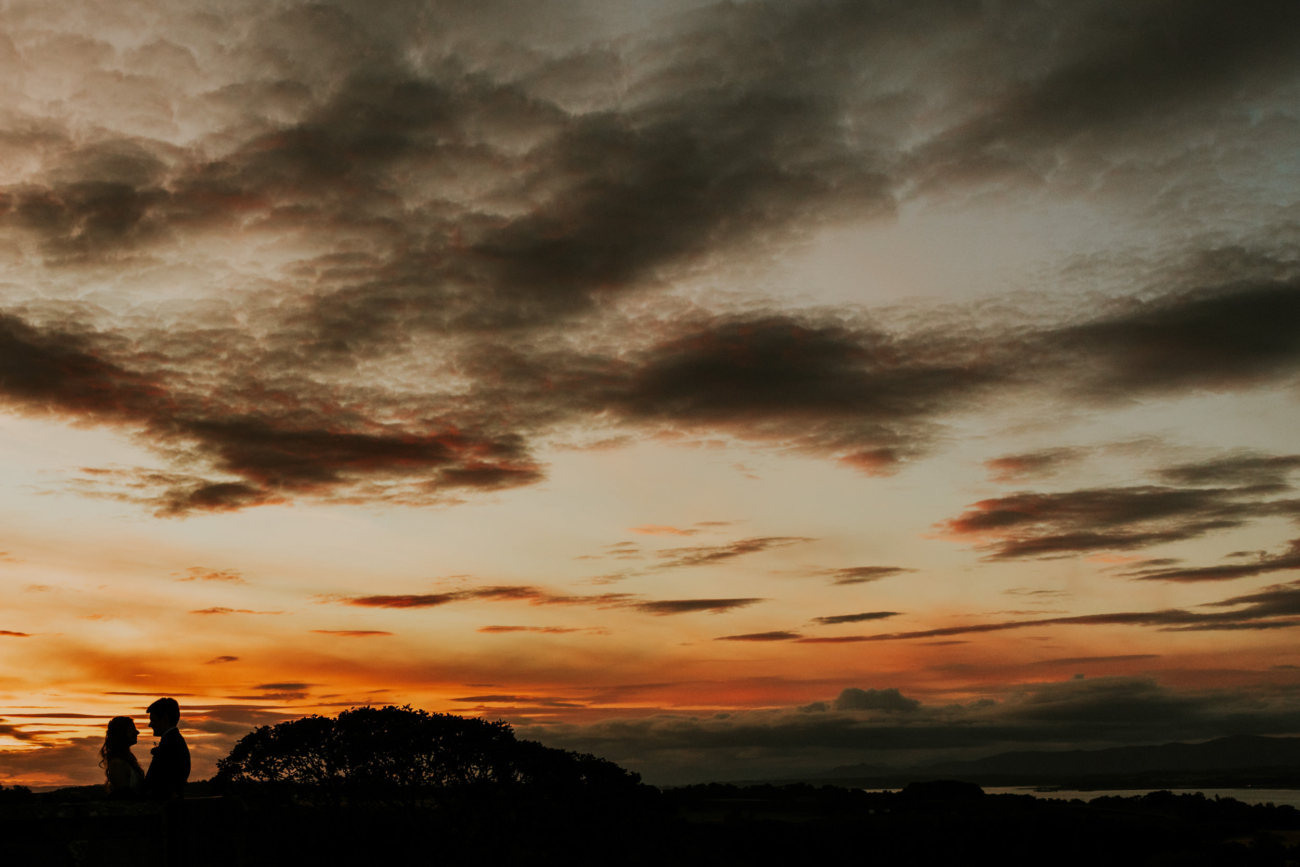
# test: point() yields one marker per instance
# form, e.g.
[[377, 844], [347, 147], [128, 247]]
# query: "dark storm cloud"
[[875, 398], [308, 450], [352, 633], [42, 370], [10, 634], [1214, 338], [218, 660], [864, 396], [854, 618], [1119, 68], [710, 140]]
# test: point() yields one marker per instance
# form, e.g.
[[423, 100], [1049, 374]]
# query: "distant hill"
[[1235, 753]]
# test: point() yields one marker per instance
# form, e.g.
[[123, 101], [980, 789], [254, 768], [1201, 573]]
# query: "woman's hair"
[[117, 743]]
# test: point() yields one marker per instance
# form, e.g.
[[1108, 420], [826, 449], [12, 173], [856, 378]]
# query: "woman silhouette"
[[124, 777]]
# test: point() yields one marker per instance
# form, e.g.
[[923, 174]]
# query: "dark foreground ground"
[[948, 823]]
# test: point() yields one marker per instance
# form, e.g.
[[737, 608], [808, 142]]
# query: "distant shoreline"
[[1248, 778]]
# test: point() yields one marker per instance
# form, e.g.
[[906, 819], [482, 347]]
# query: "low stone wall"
[[197, 832]]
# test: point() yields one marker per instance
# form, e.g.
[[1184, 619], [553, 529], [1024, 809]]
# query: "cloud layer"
[[469, 225]]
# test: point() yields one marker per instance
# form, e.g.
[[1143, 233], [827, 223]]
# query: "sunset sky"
[[729, 390]]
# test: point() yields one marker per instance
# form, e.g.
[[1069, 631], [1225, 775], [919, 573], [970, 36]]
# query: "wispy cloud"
[[1033, 465], [1126, 518], [664, 607], [761, 636], [711, 555], [545, 630], [199, 573], [537, 596], [863, 574], [662, 530], [854, 618]]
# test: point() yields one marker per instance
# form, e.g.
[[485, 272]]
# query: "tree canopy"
[[403, 752]]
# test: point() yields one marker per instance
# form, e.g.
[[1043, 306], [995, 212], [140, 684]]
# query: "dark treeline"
[[948, 824], [396, 785]]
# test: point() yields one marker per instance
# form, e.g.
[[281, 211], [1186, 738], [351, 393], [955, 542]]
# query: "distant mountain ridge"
[[1229, 753]]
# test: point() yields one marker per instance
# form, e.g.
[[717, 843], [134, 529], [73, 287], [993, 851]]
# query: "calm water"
[[1246, 796]]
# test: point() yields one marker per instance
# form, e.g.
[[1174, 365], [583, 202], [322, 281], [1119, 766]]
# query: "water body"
[[1246, 796]]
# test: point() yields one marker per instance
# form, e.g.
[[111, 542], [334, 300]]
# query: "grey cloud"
[[538, 596], [1264, 564], [450, 184], [1212, 338], [1036, 525], [861, 395], [865, 574], [1113, 70], [889, 700], [854, 618], [1246, 469], [1033, 465]]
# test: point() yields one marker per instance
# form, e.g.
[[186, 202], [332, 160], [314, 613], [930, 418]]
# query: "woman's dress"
[[124, 778]]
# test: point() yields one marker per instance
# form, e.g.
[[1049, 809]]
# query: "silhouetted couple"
[[168, 769]]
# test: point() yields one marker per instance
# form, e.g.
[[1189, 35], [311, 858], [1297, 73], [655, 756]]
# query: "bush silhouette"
[[16, 795], [397, 753]]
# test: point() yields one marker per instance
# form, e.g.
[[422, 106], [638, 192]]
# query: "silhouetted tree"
[[400, 753], [16, 795]]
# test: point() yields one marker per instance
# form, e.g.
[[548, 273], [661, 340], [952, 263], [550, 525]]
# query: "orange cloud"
[[198, 573], [661, 530]]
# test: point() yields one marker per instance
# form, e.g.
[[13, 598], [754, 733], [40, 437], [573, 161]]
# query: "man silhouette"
[[170, 766]]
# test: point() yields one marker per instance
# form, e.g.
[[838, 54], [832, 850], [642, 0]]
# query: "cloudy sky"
[[725, 389]]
